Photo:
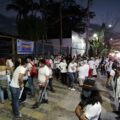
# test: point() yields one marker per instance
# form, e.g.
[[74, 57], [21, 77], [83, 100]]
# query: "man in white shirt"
[[86, 67], [15, 86], [91, 64], [30, 77], [43, 79], [63, 70], [81, 73], [71, 78]]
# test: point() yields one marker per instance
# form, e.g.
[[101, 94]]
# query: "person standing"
[[81, 73], [30, 77], [15, 86], [71, 78], [86, 67], [63, 70], [43, 79]]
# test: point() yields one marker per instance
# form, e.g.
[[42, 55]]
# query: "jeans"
[[75, 76], [31, 85], [64, 78], [42, 94], [70, 79], [1, 95], [15, 92], [50, 85]]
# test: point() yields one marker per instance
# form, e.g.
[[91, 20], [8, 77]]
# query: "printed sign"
[[25, 47]]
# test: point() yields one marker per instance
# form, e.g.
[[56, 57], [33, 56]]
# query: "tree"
[[22, 8], [97, 43]]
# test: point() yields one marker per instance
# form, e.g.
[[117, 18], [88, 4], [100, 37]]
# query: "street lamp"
[[110, 25], [95, 35]]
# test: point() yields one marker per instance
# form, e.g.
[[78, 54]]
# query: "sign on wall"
[[78, 44], [25, 47]]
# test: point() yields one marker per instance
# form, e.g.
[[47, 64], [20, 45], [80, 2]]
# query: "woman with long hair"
[[90, 106]]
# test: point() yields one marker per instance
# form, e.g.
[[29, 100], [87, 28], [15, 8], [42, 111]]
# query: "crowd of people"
[[33, 77]]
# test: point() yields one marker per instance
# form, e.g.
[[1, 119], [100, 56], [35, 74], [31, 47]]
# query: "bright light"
[[111, 39], [109, 25], [95, 35]]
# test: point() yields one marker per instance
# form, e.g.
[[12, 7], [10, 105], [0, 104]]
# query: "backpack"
[[34, 71]]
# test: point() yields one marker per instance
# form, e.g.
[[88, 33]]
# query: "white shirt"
[[91, 64], [109, 66], [15, 79], [112, 73], [92, 112], [75, 67], [56, 63], [97, 62], [50, 73], [71, 67], [81, 72], [9, 63], [62, 67], [43, 72], [86, 67], [118, 88], [29, 67]]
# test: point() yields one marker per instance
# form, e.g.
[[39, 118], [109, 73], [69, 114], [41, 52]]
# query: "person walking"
[[43, 79], [16, 85]]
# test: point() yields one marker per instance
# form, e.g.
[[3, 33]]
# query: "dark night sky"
[[106, 11]]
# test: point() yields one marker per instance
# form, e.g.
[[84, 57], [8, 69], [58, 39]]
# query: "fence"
[[47, 49]]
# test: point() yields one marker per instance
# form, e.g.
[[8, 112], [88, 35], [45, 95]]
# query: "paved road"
[[61, 105]]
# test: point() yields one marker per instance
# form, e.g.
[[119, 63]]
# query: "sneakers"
[[18, 116], [73, 89], [44, 101], [36, 105]]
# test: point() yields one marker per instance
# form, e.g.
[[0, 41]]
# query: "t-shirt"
[[91, 64], [56, 63], [62, 67], [81, 72], [75, 67], [15, 79], [86, 67], [109, 66], [117, 94], [71, 67], [112, 73], [92, 112], [43, 72], [50, 73], [29, 68]]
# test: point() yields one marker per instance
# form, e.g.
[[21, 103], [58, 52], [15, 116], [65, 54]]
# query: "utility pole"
[[87, 26], [61, 26]]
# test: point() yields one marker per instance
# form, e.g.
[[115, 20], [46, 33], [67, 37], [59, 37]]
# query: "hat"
[[89, 84]]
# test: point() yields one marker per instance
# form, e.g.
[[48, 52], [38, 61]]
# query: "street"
[[61, 105]]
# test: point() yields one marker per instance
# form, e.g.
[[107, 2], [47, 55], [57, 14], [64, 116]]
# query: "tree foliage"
[[97, 44], [35, 19]]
